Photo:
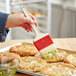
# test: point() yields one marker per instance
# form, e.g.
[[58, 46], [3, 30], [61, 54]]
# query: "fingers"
[[32, 16], [36, 23], [33, 21], [29, 21], [30, 28], [27, 27]]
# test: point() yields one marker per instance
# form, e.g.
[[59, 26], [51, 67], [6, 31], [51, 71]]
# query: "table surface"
[[63, 43]]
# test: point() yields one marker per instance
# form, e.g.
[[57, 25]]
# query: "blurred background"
[[56, 17]]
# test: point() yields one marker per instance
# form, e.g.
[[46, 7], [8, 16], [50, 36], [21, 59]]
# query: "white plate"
[[7, 48], [29, 73], [19, 70]]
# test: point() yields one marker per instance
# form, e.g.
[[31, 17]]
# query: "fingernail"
[[31, 29], [27, 31]]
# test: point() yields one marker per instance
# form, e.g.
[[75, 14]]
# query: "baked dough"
[[32, 64], [24, 50], [71, 59], [7, 57], [58, 69], [56, 58]]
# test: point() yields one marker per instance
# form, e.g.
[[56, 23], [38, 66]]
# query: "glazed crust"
[[32, 64], [24, 50], [59, 69], [71, 59], [7, 57], [57, 58]]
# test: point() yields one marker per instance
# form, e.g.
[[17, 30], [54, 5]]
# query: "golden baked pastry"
[[70, 59], [24, 50], [58, 69], [32, 64], [56, 58], [7, 57], [28, 44]]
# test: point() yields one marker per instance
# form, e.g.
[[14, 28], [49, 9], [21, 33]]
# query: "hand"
[[19, 20]]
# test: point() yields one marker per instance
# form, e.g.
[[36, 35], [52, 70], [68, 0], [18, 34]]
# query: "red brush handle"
[[43, 42]]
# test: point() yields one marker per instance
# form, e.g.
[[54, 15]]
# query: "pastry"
[[71, 59], [32, 64], [24, 50], [58, 69], [7, 57], [56, 58]]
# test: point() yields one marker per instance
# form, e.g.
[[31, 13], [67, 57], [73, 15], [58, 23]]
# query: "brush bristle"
[[49, 51], [46, 47]]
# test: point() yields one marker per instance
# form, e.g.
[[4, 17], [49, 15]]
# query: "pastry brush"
[[42, 42]]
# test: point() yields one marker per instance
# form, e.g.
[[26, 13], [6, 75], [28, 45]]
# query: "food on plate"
[[9, 68], [10, 54], [7, 57], [28, 44], [58, 69], [56, 58], [4, 59], [24, 50], [38, 55], [32, 64], [70, 59]]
